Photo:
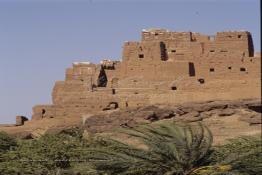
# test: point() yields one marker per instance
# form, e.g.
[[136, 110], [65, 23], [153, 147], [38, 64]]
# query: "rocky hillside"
[[226, 119]]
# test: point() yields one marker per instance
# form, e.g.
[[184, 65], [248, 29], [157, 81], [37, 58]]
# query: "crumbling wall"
[[164, 67]]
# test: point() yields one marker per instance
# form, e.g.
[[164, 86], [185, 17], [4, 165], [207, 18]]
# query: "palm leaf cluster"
[[171, 149], [242, 155], [167, 149]]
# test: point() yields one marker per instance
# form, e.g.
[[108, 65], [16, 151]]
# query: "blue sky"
[[39, 39]]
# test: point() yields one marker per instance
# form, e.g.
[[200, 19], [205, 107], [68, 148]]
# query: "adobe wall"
[[165, 67]]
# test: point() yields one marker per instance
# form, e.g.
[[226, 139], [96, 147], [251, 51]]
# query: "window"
[[201, 80], [242, 69], [239, 36], [212, 50], [173, 88], [192, 72], [102, 78], [141, 55], [173, 51], [113, 91], [211, 70], [229, 68]]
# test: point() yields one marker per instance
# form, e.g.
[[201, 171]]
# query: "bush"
[[6, 142]]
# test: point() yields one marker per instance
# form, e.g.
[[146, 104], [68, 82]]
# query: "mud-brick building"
[[165, 67]]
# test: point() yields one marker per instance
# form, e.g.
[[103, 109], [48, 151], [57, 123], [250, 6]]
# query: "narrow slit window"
[[192, 71]]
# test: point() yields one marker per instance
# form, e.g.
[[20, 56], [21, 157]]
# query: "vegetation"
[[167, 149]]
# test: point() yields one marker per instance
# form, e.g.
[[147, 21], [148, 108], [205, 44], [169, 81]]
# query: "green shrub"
[[6, 142], [172, 149]]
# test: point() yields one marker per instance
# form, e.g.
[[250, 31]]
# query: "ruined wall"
[[164, 67]]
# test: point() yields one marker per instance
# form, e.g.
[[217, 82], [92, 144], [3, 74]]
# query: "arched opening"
[[102, 78], [201, 80]]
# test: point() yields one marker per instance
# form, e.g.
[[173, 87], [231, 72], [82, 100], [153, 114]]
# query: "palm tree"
[[242, 155], [171, 149]]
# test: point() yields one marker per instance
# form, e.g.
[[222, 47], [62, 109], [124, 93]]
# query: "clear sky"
[[39, 39]]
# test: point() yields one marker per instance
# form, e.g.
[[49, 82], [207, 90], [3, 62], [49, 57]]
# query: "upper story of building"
[[163, 45]]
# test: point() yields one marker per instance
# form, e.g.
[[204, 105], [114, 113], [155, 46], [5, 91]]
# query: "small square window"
[[173, 51], [242, 69], [229, 68], [211, 70], [173, 88], [141, 55], [239, 36]]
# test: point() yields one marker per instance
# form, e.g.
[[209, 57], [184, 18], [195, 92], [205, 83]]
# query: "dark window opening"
[[201, 80], [141, 55], [192, 72], [229, 68], [223, 51], [174, 88], [156, 34], [242, 69], [113, 91], [102, 78], [163, 51], [211, 70], [212, 50], [173, 51], [43, 113], [229, 36], [239, 36], [250, 46]]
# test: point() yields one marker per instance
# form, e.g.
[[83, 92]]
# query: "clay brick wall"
[[164, 67]]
